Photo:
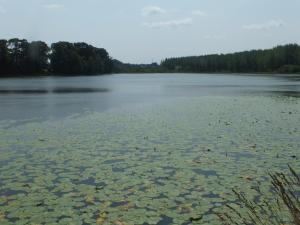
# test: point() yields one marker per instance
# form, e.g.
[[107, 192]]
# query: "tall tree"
[[5, 60], [38, 56], [79, 58], [65, 59], [18, 49]]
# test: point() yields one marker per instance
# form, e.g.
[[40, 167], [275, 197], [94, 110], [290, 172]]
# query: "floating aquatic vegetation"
[[161, 163]]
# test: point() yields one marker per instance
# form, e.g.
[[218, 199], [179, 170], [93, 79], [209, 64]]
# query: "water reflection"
[[63, 90], [55, 97]]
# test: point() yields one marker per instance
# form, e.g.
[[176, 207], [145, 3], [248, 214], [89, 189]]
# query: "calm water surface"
[[61, 96]]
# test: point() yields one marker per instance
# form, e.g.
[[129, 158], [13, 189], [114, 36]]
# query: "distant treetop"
[[282, 59]]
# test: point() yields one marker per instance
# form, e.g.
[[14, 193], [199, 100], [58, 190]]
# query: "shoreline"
[[146, 73]]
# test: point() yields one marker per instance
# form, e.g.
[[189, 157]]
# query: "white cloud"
[[170, 23], [53, 6], [153, 10], [265, 26], [198, 13]]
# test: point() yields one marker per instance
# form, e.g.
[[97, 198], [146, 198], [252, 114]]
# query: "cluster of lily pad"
[[163, 163]]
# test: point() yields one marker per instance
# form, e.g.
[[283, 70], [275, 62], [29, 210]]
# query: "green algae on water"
[[141, 165]]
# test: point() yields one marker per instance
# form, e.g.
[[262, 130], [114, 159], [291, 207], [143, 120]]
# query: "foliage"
[[79, 58], [120, 67], [285, 59], [289, 69], [18, 56]]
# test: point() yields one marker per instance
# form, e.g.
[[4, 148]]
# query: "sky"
[[146, 31]]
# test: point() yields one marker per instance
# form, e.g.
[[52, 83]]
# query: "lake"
[[141, 148], [56, 97]]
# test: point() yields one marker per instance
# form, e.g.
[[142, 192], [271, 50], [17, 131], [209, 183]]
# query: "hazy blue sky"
[[150, 30]]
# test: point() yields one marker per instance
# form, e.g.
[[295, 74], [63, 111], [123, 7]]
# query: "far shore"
[[170, 73]]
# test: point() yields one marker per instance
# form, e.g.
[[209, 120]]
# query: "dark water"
[[56, 97]]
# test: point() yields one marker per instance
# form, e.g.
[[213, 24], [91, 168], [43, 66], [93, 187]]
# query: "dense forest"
[[281, 59], [120, 67], [20, 57]]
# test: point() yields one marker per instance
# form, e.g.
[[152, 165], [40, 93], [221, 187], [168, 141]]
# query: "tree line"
[[281, 59], [20, 57], [120, 67]]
